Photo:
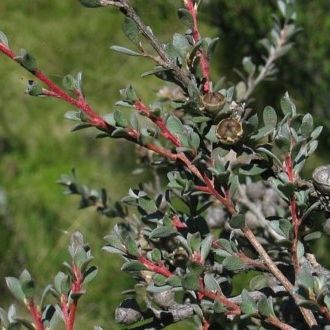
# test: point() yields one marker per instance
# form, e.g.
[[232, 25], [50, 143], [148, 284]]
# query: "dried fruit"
[[229, 130], [213, 101]]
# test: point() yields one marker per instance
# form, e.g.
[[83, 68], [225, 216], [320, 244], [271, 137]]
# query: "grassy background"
[[36, 146]]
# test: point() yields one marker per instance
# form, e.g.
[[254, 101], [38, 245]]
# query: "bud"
[[229, 130], [128, 312], [213, 101], [164, 299]]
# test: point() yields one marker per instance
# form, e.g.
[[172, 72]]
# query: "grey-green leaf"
[[15, 288], [131, 30], [90, 3], [125, 51], [162, 232], [190, 281], [270, 116], [3, 39]]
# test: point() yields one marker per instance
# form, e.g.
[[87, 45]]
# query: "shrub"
[[223, 239]]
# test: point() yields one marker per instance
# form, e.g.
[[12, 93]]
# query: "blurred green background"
[[36, 145]]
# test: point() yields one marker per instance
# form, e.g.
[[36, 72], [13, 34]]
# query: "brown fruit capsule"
[[213, 101], [229, 130], [321, 182]]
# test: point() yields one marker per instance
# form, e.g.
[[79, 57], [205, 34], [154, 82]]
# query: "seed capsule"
[[213, 101], [164, 299], [229, 130], [128, 312], [321, 182]]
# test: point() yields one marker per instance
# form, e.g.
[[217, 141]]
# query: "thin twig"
[[164, 59]]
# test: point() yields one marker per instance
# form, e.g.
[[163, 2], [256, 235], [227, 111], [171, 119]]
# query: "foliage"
[[306, 71], [234, 202]]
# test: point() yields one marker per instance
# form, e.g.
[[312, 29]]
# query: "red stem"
[[161, 269], [296, 220], [36, 315], [191, 6], [93, 117], [142, 108], [69, 312]]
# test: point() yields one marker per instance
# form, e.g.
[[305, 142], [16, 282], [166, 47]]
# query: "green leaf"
[[300, 250], [270, 116], [194, 241], [307, 125], [90, 3], [125, 51], [232, 263], [147, 204], [305, 278], [258, 282], [3, 39], [174, 281], [61, 283], [15, 287], [131, 30], [120, 119], [162, 232], [131, 245], [313, 236], [237, 221], [252, 169], [219, 308], [212, 134], [34, 89], [174, 125], [159, 280], [248, 305], [26, 60], [133, 266], [181, 43], [206, 246], [327, 301], [89, 274], [263, 132], [190, 281], [248, 65], [156, 255], [185, 17], [211, 283], [287, 105], [316, 133], [265, 307]]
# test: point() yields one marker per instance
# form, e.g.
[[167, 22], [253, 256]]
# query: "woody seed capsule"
[[321, 182], [213, 101], [229, 130]]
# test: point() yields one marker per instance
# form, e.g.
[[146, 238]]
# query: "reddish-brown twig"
[[191, 6], [35, 314], [160, 123]]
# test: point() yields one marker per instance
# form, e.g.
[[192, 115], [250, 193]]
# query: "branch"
[[160, 123], [244, 200], [268, 67], [308, 315], [164, 60], [192, 7], [35, 313], [93, 118]]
